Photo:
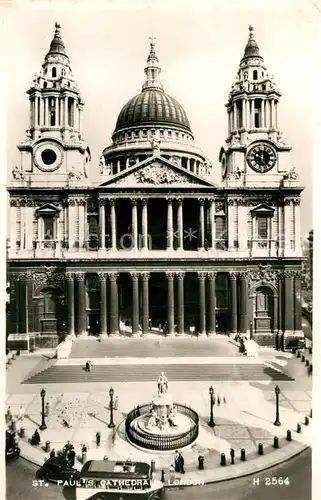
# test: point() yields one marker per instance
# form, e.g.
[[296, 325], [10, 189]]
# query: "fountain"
[[162, 424]]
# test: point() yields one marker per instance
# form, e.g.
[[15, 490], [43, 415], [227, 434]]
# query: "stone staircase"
[[144, 373], [142, 347]]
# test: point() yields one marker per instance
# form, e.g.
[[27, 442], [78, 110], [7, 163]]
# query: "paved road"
[[20, 474]]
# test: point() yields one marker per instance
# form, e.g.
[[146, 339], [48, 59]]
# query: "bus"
[[104, 479]]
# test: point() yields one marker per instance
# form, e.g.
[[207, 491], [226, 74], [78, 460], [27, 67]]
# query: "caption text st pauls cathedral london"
[[155, 244]]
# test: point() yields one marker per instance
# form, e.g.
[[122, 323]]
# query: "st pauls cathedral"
[[155, 245]]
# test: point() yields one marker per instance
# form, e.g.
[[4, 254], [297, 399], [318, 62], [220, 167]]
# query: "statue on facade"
[[291, 175], [18, 174], [102, 164], [155, 143], [75, 174], [162, 384]]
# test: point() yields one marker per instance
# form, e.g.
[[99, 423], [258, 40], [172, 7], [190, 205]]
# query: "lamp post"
[[277, 418], [211, 422], [251, 329], [111, 424], [43, 423]]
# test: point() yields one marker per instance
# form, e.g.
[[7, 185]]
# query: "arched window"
[[63, 72], [44, 85], [255, 74], [54, 72]]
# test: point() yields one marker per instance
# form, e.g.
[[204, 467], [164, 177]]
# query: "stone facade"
[[156, 241]]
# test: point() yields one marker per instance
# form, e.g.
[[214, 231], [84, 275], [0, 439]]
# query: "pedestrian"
[[214, 399], [71, 457], [113, 437], [163, 476], [8, 415], [181, 463], [36, 437], [68, 446], [172, 474], [201, 462], [224, 399], [21, 413], [116, 403], [232, 454], [47, 409], [176, 461], [87, 369], [218, 400], [98, 438], [52, 453]]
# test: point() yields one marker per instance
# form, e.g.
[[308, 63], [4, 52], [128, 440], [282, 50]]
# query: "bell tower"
[[255, 151], [54, 150]]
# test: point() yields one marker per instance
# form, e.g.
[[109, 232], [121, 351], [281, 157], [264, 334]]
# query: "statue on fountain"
[[162, 384]]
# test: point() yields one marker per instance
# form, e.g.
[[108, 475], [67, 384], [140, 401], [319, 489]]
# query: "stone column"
[[145, 325], [252, 113], [46, 111], [243, 124], [134, 224], [103, 302], [297, 225], [212, 303], [262, 114], [169, 224], [71, 302], [56, 112], [212, 216], [81, 205], [114, 320], [243, 302], [180, 223], [297, 302], [288, 302], [180, 303], [275, 314], [202, 303], [71, 223], [170, 303], [113, 223], [66, 111], [80, 277], [234, 116], [102, 224], [230, 224], [135, 308], [118, 166], [202, 224], [36, 112], [22, 303], [145, 223], [271, 113], [233, 309]]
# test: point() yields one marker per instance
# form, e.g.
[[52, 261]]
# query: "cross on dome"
[[251, 34], [152, 38]]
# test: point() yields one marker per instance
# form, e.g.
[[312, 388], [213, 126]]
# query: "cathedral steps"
[[143, 373]]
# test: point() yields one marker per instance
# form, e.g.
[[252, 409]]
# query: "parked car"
[[56, 468], [12, 448]]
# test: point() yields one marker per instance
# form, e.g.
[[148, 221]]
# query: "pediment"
[[156, 171], [47, 209], [263, 209]]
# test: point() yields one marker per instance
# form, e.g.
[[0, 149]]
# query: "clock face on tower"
[[261, 157], [48, 156]]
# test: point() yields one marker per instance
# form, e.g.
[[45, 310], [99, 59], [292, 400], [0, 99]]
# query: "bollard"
[[298, 428], [311, 413], [22, 432], [47, 446], [306, 421], [163, 476], [223, 459], [243, 456], [152, 466], [13, 356], [288, 435], [310, 349], [307, 362], [260, 449], [276, 442], [298, 354], [310, 369], [14, 426], [302, 358]]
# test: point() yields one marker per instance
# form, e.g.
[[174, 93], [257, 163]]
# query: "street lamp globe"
[[43, 393], [111, 392], [277, 390], [211, 391]]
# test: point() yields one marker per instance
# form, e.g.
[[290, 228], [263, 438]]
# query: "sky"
[[199, 47]]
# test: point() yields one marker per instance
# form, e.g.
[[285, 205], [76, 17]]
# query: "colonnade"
[[40, 115], [109, 205], [268, 112]]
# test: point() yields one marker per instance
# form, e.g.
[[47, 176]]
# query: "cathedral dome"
[[152, 106]]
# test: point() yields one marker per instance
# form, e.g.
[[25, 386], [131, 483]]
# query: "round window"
[[48, 156]]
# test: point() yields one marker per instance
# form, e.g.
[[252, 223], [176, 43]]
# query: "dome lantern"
[[152, 69]]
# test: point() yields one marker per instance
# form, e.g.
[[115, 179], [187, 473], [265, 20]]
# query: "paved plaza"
[[244, 418]]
